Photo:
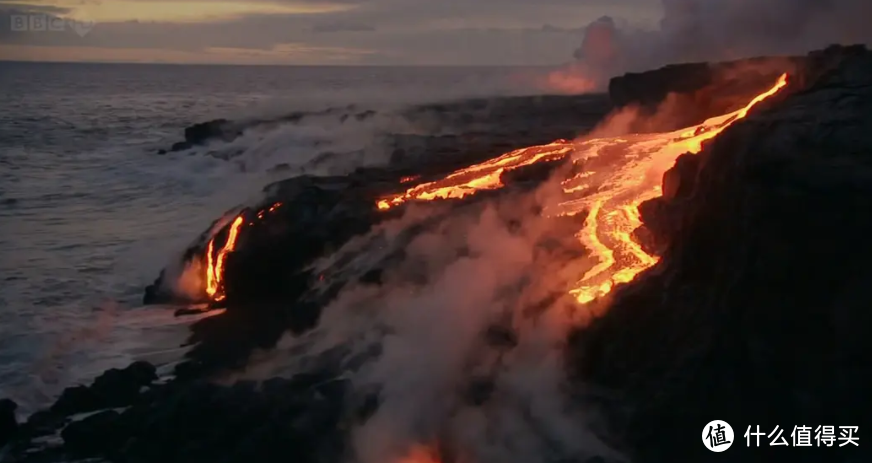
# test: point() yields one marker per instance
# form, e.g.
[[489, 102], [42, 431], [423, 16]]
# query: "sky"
[[308, 32]]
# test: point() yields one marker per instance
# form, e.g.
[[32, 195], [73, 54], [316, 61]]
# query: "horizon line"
[[284, 65]]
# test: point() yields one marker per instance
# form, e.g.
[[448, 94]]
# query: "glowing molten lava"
[[619, 174], [484, 176], [637, 165], [215, 260], [215, 266]]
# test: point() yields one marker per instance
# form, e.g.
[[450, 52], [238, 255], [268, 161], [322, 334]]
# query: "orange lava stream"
[[215, 263], [215, 268], [619, 174], [636, 164], [484, 176]]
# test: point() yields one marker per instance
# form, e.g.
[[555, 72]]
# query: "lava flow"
[[484, 176], [215, 260], [619, 174], [215, 265]]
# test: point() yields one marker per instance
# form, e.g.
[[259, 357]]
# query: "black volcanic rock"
[[114, 388], [179, 146], [94, 435], [663, 215], [204, 132], [323, 212], [758, 312], [680, 181], [76, 399], [201, 422], [651, 87], [310, 215], [198, 134], [305, 417], [267, 273], [688, 94], [8, 421], [480, 128], [118, 388], [300, 219]]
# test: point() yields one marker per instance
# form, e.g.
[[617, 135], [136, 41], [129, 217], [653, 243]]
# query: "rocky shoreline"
[[763, 244], [455, 132]]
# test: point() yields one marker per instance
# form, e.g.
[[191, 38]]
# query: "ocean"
[[90, 213]]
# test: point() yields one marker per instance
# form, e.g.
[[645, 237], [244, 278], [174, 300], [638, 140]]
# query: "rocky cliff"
[[758, 313], [694, 92]]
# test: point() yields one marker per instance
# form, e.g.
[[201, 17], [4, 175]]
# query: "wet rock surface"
[[758, 312]]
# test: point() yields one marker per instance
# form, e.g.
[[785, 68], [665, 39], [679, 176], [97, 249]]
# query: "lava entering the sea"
[[619, 173], [215, 259]]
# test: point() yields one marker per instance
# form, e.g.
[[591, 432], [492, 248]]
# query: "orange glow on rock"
[[421, 454], [215, 267], [215, 261]]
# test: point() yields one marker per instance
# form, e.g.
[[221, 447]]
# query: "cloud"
[[712, 30], [282, 53], [343, 27], [15, 20], [185, 11], [398, 31], [20, 7], [390, 45]]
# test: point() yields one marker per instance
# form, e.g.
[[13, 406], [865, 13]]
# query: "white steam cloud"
[[463, 338], [713, 30], [468, 324]]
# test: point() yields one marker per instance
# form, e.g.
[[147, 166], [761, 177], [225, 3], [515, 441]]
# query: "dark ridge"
[[690, 93], [758, 312]]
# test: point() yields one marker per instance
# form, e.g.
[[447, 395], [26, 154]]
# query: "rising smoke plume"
[[462, 341], [713, 30]]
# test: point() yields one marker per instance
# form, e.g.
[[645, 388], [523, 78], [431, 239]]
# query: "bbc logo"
[[46, 23]]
